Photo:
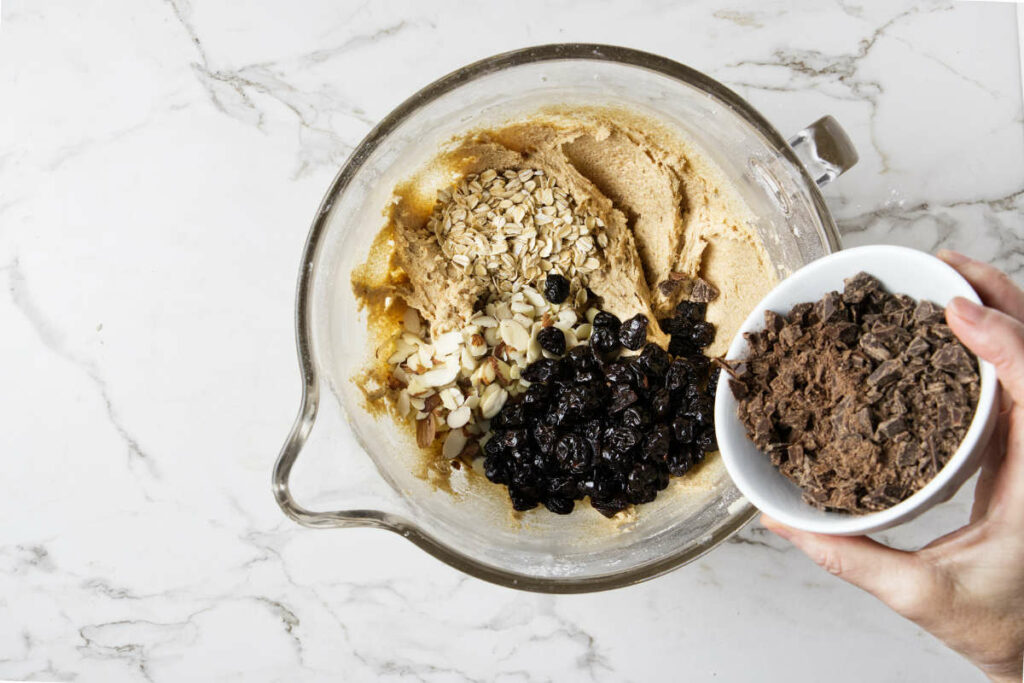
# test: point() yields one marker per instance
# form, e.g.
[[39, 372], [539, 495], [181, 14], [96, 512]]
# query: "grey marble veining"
[[159, 165]]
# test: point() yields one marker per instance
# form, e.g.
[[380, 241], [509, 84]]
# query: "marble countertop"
[[160, 163]]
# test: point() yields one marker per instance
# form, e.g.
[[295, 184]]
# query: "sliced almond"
[[514, 334], [535, 298], [448, 343], [426, 431], [402, 404], [488, 371], [491, 336], [438, 377], [503, 372], [403, 350], [571, 341], [414, 363], [426, 356], [524, 308], [416, 386], [492, 403], [533, 351], [525, 321], [454, 443], [459, 417], [477, 346], [411, 339], [451, 398]]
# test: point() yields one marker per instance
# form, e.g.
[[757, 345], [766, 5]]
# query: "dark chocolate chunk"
[[790, 334], [918, 346], [886, 373], [891, 428], [872, 345], [800, 313], [668, 287], [953, 359], [929, 312], [858, 287], [703, 291], [841, 332], [827, 308], [773, 322]]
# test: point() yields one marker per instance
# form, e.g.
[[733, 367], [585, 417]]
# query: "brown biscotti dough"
[[670, 218]]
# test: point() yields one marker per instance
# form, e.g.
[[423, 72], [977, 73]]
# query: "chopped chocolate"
[[703, 291], [928, 312], [886, 373], [827, 308], [918, 346], [844, 333], [773, 321], [892, 428], [799, 313], [859, 398], [789, 335], [858, 287], [873, 346], [668, 287], [953, 358]]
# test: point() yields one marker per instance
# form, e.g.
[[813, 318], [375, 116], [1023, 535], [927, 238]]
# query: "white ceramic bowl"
[[902, 271]]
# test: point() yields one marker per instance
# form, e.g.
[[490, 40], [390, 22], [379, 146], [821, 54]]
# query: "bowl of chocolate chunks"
[[846, 405]]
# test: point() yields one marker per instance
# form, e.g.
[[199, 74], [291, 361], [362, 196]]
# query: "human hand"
[[966, 588]]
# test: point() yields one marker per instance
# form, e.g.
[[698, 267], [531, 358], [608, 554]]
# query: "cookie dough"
[[670, 217]]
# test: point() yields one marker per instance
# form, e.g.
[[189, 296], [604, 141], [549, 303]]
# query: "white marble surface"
[[159, 166]]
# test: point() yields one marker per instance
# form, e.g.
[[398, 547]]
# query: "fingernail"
[[966, 310], [953, 258]]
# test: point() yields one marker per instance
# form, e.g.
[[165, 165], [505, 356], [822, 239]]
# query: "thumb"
[[897, 578]]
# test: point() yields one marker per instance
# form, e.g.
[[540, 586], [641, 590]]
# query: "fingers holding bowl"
[[999, 338], [994, 286], [898, 578]]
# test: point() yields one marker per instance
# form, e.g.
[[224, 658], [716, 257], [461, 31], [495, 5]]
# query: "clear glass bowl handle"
[[825, 150], [297, 439]]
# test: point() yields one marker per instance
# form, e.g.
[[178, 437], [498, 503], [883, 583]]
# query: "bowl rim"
[[738, 516], [921, 500]]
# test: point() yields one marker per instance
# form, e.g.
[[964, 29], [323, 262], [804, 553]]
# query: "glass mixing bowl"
[[358, 470]]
